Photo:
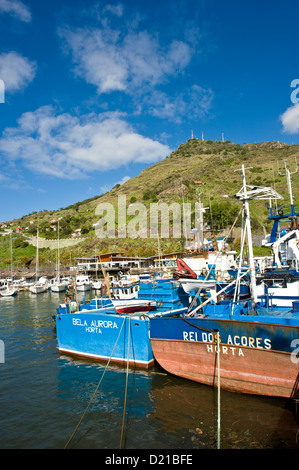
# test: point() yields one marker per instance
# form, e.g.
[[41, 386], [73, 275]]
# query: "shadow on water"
[[166, 412], [247, 421]]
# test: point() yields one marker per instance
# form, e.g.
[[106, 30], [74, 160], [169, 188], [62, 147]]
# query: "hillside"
[[213, 163]]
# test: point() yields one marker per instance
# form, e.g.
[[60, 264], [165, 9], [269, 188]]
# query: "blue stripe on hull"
[[264, 333]]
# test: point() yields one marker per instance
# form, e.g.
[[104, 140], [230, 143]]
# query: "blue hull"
[[104, 336]]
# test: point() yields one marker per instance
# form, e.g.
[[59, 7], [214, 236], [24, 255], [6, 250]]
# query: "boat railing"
[[213, 297], [283, 211]]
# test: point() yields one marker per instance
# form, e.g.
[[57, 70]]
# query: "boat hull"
[[193, 285], [123, 306], [9, 292], [38, 289], [255, 357], [58, 288], [94, 336], [83, 288]]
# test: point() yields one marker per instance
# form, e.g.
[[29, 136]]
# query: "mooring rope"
[[126, 389], [210, 330], [197, 295], [218, 395], [218, 371], [94, 394]]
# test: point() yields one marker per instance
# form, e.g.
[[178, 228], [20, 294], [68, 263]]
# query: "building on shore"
[[118, 261]]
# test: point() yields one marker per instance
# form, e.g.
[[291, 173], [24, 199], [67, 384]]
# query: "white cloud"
[[113, 61], [16, 71], [116, 10], [115, 57], [195, 101], [107, 187], [67, 146], [16, 9], [124, 180], [290, 119]]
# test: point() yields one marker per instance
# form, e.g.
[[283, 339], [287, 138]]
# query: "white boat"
[[58, 286], [41, 285], [27, 285], [281, 292], [125, 292], [38, 288], [125, 306], [97, 285], [83, 283], [9, 292], [190, 285], [8, 289]]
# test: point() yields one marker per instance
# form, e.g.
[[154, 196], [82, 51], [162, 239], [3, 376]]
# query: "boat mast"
[[11, 269], [58, 257], [249, 237], [36, 267], [289, 183], [253, 193]]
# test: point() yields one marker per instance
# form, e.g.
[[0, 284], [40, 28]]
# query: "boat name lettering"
[[235, 340], [94, 324], [77, 322], [225, 350]]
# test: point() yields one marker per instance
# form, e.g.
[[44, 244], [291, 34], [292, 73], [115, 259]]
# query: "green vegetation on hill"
[[215, 164]]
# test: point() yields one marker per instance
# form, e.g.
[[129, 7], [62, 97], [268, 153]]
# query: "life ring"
[[192, 249], [280, 212]]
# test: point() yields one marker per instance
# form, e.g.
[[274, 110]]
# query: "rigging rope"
[[125, 401], [218, 394], [218, 253], [94, 394], [217, 338]]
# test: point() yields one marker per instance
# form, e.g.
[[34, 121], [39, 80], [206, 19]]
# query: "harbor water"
[[44, 395]]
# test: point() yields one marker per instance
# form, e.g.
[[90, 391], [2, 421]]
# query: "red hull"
[[135, 308], [244, 370]]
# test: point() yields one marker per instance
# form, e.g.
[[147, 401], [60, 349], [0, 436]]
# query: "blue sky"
[[95, 91]]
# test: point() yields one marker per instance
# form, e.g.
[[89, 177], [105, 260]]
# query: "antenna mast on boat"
[[288, 175], [245, 194]]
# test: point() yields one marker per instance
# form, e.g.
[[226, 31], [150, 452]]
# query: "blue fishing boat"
[[100, 333], [259, 351], [244, 346]]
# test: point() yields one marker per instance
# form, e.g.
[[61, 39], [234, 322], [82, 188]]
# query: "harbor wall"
[[52, 244]]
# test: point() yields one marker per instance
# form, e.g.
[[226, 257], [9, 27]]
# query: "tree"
[[223, 214]]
